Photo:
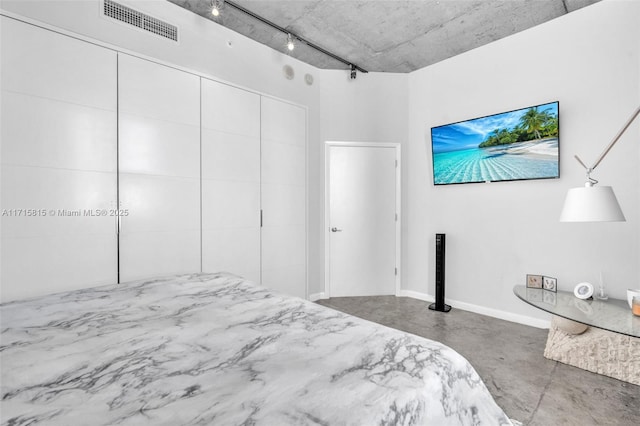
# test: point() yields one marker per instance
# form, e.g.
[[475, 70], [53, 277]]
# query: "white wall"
[[370, 108], [498, 232]]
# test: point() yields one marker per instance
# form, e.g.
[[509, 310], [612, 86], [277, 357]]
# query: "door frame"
[[327, 234]]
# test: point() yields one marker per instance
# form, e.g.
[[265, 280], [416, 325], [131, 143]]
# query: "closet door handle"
[[334, 229]]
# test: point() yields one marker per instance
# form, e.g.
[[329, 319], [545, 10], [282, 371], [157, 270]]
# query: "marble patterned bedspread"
[[213, 349]]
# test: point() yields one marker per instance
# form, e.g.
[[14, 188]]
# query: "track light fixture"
[[290, 44], [290, 36], [216, 7]]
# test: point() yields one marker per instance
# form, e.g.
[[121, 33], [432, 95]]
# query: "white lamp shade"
[[591, 204]]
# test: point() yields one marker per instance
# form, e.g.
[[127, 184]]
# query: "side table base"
[[596, 350]]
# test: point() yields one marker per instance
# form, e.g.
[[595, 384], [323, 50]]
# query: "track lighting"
[[290, 44], [290, 36], [216, 6]]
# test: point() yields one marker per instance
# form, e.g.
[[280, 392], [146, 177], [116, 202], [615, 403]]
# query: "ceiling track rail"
[[297, 37]]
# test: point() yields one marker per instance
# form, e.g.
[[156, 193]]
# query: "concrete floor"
[[508, 357]]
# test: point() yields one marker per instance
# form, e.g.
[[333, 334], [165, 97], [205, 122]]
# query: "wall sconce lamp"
[[594, 203]]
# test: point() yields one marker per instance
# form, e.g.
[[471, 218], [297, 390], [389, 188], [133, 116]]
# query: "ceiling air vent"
[[138, 19]]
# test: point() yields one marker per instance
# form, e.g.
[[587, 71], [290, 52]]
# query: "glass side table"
[[610, 346], [611, 314]]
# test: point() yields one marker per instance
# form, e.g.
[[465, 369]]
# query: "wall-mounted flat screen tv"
[[515, 145]]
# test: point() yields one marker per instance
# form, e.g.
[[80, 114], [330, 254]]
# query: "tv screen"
[[515, 145]]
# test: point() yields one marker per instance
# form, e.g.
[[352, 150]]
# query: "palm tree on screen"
[[534, 120]]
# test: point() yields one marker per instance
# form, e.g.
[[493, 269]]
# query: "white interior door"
[[362, 220]]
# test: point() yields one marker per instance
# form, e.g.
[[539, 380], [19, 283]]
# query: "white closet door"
[[230, 180], [283, 129], [59, 144], [159, 169]]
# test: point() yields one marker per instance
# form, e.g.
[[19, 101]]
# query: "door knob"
[[336, 230]]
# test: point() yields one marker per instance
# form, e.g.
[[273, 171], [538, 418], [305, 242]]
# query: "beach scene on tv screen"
[[515, 145]]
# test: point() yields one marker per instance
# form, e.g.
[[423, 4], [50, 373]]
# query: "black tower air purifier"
[[440, 249]]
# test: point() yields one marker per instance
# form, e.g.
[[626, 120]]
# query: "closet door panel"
[[283, 205], [51, 264], [289, 282], [45, 64], [230, 110], [282, 163], [58, 158], [230, 180], [235, 250], [158, 147], [286, 254], [230, 157], [151, 90], [160, 231], [49, 133], [65, 200], [159, 165], [233, 245], [159, 203], [283, 122], [283, 131], [157, 253], [235, 204]]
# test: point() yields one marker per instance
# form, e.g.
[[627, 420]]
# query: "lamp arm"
[[583, 165], [613, 142]]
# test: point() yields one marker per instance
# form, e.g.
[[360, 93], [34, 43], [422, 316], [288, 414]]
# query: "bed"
[[214, 349]]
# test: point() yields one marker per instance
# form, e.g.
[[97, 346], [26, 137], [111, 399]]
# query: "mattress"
[[215, 349]]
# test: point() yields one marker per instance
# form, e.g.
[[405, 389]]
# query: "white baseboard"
[[496, 313], [416, 295], [317, 296], [482, 310]]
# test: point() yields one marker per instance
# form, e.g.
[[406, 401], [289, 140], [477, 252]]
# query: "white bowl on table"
[[631, 293]]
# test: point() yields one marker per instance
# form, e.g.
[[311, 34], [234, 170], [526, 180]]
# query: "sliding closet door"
[[159, 169], [230, 180], [283, 129], [59, 126]]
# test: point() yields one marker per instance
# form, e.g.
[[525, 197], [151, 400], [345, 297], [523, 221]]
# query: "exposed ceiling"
[[384, 35]]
